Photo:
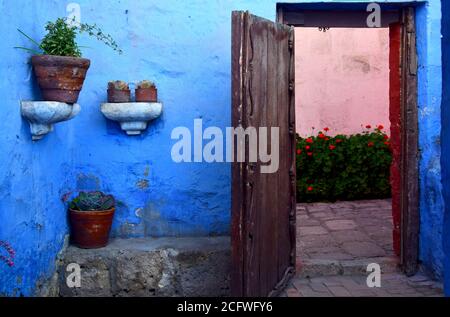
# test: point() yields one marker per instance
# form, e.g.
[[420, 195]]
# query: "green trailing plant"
[[60, 39], [118, 85], [146, 84], [344, 167], [92, 201], [95, 31]]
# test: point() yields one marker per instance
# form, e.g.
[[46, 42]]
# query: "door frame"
[[307, 16]]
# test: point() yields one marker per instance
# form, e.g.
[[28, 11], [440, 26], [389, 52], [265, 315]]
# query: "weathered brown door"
[[263, 204]]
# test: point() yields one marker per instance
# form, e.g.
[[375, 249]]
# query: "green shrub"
[[60, 39], [344, 167]]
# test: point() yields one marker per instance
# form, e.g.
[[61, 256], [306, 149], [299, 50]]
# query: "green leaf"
[[28, 37], [28, 50]]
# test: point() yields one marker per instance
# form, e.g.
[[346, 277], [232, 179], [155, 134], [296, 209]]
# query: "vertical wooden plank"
[[286, 173], [410, 175], [283, 173], [239, 23], [290, 271], [292, 159], [270, 247], [255, 114], [395, 40]]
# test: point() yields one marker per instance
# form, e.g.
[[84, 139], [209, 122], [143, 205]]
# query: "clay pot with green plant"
[[146, 92], [91, 215], [118, 92], [58, 66]]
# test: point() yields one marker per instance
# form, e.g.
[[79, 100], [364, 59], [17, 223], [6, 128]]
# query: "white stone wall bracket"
[[42, 115], [132, 116]]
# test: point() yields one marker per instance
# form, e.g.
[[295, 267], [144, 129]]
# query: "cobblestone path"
[[336, 242]]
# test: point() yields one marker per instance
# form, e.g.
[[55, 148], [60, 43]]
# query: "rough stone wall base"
[[151, 267]]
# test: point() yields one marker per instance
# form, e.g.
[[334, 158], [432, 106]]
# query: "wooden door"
[[263, 204], [410, 219]]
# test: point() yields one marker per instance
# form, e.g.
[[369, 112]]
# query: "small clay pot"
[[90, 229], [119, 95], [146, 94]]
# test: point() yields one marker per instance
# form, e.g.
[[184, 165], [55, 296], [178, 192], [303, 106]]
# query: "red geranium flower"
[[380, 127], [326, 129], [309, 140], [310, 188], [299, 152], [338, 140], [386, 143], [385, 137], [368, 126], [370, 144], [307, 147], [322, 136], [309, 153], [332, 147], [327, 139]]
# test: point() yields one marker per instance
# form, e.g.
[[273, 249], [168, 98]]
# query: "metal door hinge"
[[291, 45]]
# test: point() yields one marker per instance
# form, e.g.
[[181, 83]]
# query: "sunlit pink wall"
[[342, 79]]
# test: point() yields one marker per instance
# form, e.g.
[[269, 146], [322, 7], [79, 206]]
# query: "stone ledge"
[[151, 267], [318, 268]]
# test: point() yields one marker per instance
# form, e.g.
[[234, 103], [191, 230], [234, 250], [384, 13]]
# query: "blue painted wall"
[[184, 46], [446, 137], [32, 176], [429, 99]]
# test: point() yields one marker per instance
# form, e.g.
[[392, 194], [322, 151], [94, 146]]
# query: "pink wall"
[[342, 79]]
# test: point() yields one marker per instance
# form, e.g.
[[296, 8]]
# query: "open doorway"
[[347, 72], [402, 107], [344, 210]]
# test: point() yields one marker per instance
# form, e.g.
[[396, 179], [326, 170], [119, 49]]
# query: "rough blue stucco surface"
[[184, 46], [446, 137], [428, 20], [32, 176]]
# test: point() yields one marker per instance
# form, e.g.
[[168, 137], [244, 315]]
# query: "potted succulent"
[[118, 91], [146, 92], [57, 63], [91, 215]]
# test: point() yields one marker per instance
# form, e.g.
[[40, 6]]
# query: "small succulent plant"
[[118, 85], [92, 201], [146, 84]]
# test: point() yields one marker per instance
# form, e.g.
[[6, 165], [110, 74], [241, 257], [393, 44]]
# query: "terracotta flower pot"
[[146, 94], [90, 229], [60, 78], [119, 95]]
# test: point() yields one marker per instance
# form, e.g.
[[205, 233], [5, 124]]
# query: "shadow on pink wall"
[[342, 79]]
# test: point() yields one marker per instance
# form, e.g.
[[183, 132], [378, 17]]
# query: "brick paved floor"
[[392, 285], [336, 242], [344, 230]]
